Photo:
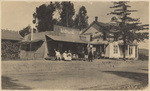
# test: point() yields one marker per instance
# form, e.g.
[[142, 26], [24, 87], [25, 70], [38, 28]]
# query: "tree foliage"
[[81, 19], [128, 28], [43, 17], [66, 14]]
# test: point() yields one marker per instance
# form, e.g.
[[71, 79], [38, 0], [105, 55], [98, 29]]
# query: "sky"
[[16, 15]]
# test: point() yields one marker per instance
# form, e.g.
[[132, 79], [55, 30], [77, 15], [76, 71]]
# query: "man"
[[90, 55]]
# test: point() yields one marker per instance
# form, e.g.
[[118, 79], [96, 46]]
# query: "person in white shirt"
[[69, 56], [65, 55], [58, 55]]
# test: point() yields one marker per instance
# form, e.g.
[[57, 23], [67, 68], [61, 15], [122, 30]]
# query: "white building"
[[103, 39]]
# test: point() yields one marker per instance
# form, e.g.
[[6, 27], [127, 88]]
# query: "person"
[[90, 55], [58, 55], [69, 56], [55, 54], [65, 55], [83, 55]]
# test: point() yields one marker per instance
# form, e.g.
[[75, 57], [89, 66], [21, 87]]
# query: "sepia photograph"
[[74, 45]]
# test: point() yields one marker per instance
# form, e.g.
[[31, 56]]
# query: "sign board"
[[65, 30]]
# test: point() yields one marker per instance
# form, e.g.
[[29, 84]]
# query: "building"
[[100, 35], [10, 44], [103, 38], [41, 45]]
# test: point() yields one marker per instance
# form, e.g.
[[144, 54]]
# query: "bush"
[[10, 50], [143, 57]]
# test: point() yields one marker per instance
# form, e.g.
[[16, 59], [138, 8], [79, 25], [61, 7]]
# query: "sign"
[[66, 31]]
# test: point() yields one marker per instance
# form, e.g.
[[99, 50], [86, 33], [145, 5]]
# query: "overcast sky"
[[16, 15]]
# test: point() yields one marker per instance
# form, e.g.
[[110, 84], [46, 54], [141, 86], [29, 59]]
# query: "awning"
[[73, 39]]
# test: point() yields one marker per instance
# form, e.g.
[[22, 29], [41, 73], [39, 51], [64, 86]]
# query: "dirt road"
[[75, 75]]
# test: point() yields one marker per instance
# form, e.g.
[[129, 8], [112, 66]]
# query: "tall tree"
[[127, 28], [66, 14], [43, 17], [81, 19]]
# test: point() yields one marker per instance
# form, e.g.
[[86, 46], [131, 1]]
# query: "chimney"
[[96, 18]]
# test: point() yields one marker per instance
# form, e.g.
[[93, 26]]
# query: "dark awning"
[[73, 39]]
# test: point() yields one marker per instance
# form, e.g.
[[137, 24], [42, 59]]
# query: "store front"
[[77, 48]]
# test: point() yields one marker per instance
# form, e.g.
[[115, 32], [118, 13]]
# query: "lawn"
[[101, 74]]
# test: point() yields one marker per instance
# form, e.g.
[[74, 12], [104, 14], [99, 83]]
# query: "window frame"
[[115, 49]]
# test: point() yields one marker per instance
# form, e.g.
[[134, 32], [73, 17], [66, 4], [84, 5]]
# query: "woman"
[[65, 55], [69, 56]]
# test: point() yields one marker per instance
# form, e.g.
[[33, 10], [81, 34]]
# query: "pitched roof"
[[36, 37], [99, 42], [97, 26], [107, 27], [11, 35]]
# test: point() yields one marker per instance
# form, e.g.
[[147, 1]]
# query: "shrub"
[[10, 50], [143, 57]]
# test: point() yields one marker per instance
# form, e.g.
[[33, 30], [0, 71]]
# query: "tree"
[[25, 31], [127, 28], [43, 17], [81, 19], [66, 14]]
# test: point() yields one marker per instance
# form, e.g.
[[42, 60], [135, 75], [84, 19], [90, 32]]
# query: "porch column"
[[128, 52], [46, 49], [137, 52]]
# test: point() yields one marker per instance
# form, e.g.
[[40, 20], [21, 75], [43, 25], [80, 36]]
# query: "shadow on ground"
[[7, 83], [141, 78]]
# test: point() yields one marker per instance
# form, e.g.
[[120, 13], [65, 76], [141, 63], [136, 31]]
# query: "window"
[[130, 50], [115, 49]]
